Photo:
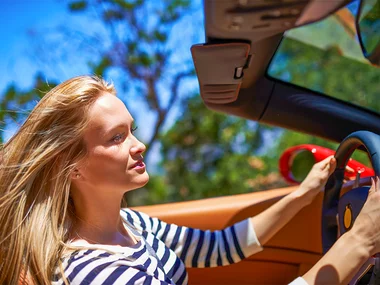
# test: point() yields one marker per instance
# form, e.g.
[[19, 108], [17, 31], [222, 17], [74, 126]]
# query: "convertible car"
[[283, 63]]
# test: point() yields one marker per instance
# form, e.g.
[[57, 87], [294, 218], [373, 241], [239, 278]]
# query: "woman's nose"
[[138, 147]]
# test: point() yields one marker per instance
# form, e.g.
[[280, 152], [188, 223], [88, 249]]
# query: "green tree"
[[325, 58], [133, 39], [135, 42], [207, 154], [138, 42], [204, 154], [15, 103]]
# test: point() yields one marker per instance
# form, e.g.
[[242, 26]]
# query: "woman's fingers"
[[349, 169], [375, 185], [332, 165], [372, 189], [367, 224], [328, 164]]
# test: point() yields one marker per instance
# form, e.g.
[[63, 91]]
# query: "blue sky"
[[18, 61], [19, 64], [17, 18]]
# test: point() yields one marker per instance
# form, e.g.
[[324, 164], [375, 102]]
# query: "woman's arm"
[[340, 263], [351, 250], [269, 222], [199, 248]]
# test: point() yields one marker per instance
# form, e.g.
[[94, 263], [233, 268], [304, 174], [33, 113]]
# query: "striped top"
[[161, 253]]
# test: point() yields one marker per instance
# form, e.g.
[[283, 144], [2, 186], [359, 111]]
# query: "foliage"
[[137, 43], [336, 69], [15, 103], [204, 154], [133, 39], [207, 154]]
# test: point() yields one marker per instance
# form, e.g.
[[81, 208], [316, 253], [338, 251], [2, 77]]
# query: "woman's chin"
[[138, 182]]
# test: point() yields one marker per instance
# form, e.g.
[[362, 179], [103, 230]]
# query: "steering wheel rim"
[[371, 142]]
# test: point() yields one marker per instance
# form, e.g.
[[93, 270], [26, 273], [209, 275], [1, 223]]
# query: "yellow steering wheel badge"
[[347, 217]]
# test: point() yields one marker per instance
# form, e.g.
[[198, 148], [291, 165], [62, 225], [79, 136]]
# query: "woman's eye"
[[133, 129], [118, 138]]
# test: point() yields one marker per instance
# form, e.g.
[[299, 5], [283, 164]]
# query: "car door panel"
[[290, 253]]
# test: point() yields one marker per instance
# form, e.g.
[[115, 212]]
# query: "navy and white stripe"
[[161, 255]]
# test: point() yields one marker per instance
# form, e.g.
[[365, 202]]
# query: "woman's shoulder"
[[73, 264], [134, 214], [137, 219]]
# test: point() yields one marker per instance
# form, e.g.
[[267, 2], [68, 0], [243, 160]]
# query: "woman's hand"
[[270, 221], [316, 180], [367, 224], [340, 264]]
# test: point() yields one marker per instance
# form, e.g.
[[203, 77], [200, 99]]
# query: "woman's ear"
[[75, 174]]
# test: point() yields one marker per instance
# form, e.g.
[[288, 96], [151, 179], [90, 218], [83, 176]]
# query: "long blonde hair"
[[36, 165]]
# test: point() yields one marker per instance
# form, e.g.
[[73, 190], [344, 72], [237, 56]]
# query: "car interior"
[[241, 72]]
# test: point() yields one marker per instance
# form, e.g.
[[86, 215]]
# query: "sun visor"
[[220, 69]]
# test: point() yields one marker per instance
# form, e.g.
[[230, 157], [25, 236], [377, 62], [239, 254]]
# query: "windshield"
[[326, 57]]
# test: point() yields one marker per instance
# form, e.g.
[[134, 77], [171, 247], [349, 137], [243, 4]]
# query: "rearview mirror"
[[296, 162], [368, 29], [302, 162]]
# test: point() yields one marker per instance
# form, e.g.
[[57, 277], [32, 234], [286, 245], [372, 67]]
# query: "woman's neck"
[[99, 221]]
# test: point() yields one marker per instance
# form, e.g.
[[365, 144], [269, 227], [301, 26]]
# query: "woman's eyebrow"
[[119, 126]]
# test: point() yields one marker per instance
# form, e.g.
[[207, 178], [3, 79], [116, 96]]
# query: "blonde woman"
[[62, 179]]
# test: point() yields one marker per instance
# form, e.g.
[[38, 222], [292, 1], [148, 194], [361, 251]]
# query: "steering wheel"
[[349, 205]]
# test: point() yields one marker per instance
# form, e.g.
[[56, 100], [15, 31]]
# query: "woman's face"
[[114, 161]]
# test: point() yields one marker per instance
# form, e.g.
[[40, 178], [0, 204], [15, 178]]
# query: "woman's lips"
[[138, 165]]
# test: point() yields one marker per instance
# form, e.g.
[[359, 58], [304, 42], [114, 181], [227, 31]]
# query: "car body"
[[236, 77]]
